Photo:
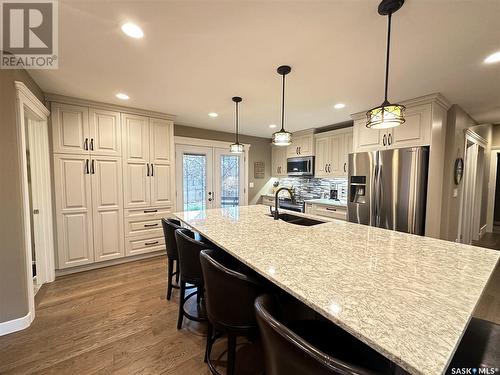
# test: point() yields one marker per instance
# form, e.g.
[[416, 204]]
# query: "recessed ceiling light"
[[122, 96], [493, 58], [339, 106], [213, 114], [132, 30], [272, 126]]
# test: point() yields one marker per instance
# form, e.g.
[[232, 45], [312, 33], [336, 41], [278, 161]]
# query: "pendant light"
[[237, 147], [282, 137], [387, 115]]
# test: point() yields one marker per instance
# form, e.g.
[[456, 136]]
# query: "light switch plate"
[[250, 185]]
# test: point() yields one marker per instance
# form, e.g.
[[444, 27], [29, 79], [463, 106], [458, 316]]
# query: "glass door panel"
[[228, 178]]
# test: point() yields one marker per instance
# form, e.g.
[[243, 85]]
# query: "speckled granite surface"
[[408, 297]]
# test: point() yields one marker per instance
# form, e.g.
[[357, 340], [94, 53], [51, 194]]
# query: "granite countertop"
[[328, 202], [408, 297]]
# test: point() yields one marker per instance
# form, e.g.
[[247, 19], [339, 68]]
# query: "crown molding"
[[111, 107]]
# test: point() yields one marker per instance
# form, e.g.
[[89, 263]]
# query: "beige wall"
[[260, 150], [458, 122], [13, 288]]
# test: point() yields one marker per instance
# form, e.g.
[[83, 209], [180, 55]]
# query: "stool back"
[[189, 256], [169, 227]]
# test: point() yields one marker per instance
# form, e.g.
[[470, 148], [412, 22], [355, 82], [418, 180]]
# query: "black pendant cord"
[[387, 57], [237, 125], [283, 106]]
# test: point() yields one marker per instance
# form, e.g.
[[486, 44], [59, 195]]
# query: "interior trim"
[[14, 325]]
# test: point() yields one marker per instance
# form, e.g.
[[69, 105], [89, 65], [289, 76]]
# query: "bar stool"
[[230, 296], [169, 228], [306, 348], [189, 262], [480, 346]]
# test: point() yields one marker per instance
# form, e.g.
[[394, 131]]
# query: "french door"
[[208, 177]]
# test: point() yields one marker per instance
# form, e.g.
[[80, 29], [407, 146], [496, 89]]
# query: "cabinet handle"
[[389, 139], [150, 243], [150, 225], [91, 144], [150, 211], [326, 167], [152, 170], [92, 167], [345, 166], [86, 166], [147, 165], [300, 150], [329, 168], [86, 144], [331, 209], [383, 139]]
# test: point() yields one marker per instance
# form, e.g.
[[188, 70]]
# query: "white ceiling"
[[196, 55]]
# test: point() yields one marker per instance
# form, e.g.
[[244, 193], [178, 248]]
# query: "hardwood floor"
[[112, 320], [117, 320]]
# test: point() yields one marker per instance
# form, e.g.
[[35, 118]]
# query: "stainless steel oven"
[[302, 166]]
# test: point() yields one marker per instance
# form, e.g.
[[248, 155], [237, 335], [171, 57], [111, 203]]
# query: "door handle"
[[152, 170], [86, 144], [150, 225], [150, 243], [383, 139], [92, 170], [86, 166], [147, 166], [91, 144]]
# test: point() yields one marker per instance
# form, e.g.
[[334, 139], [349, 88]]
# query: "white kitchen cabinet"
[[70, 129], [73, 210], [416, 131], [332, 150], [148, 161], [279, 157], [105, 132], [302, 145]]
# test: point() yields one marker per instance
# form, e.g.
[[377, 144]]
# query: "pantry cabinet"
[[332, 149]]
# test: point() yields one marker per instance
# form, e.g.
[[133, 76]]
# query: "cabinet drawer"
[[142, 225], [144, 244], [331, 211], [148, 213]]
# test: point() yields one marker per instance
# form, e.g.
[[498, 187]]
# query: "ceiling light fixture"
[[272, 126], [282, 137], [132, 30], [493, 58], [213, 114], [122, 96], [237, 147], [387, 115], [339, 106]]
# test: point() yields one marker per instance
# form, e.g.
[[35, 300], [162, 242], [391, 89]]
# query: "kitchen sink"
[[298, 220]]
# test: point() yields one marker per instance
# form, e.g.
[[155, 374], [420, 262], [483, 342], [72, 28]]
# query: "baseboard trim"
[[15, 325], [113, 262], [482, 231]]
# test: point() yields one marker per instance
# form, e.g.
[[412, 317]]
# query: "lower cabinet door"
[[107, 199], [144, 244], [72, 190]]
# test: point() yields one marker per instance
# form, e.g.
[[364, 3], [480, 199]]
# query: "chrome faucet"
[[276, 214]]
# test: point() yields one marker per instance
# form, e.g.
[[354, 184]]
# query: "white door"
[[229, 189], [194, 171], [161, 133], [105, 132], [468, 193], [107, 202], [70, 128], [136, 171], [73, 210]]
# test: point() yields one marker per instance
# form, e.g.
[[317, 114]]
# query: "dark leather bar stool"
[[189, 262], [169, 228], [479, 348], [312, 346], [230, 296]]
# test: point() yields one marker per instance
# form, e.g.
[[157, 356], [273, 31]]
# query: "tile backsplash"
[[313, 188]]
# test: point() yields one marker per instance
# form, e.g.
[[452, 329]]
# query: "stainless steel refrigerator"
[[388, 189]]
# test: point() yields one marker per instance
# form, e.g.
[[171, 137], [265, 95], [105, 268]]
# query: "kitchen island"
[[408, 297]]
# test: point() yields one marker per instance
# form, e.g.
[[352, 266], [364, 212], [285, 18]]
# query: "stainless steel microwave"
[[302, 166]]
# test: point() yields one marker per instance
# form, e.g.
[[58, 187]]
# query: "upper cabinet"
[[80, 130], [332, 149], [279, 156], [416, 131], [303, 145]]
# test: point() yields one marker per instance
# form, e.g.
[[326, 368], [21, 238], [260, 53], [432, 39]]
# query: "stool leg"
[[177, 271], [169, 278], [208, 348], [231, 354], [181, 304]]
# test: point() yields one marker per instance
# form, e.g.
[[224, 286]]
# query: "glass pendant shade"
[[385, 116], [282, 138], [237, 148]]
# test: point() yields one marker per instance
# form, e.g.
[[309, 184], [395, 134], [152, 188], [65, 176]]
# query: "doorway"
[[209, 177]]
